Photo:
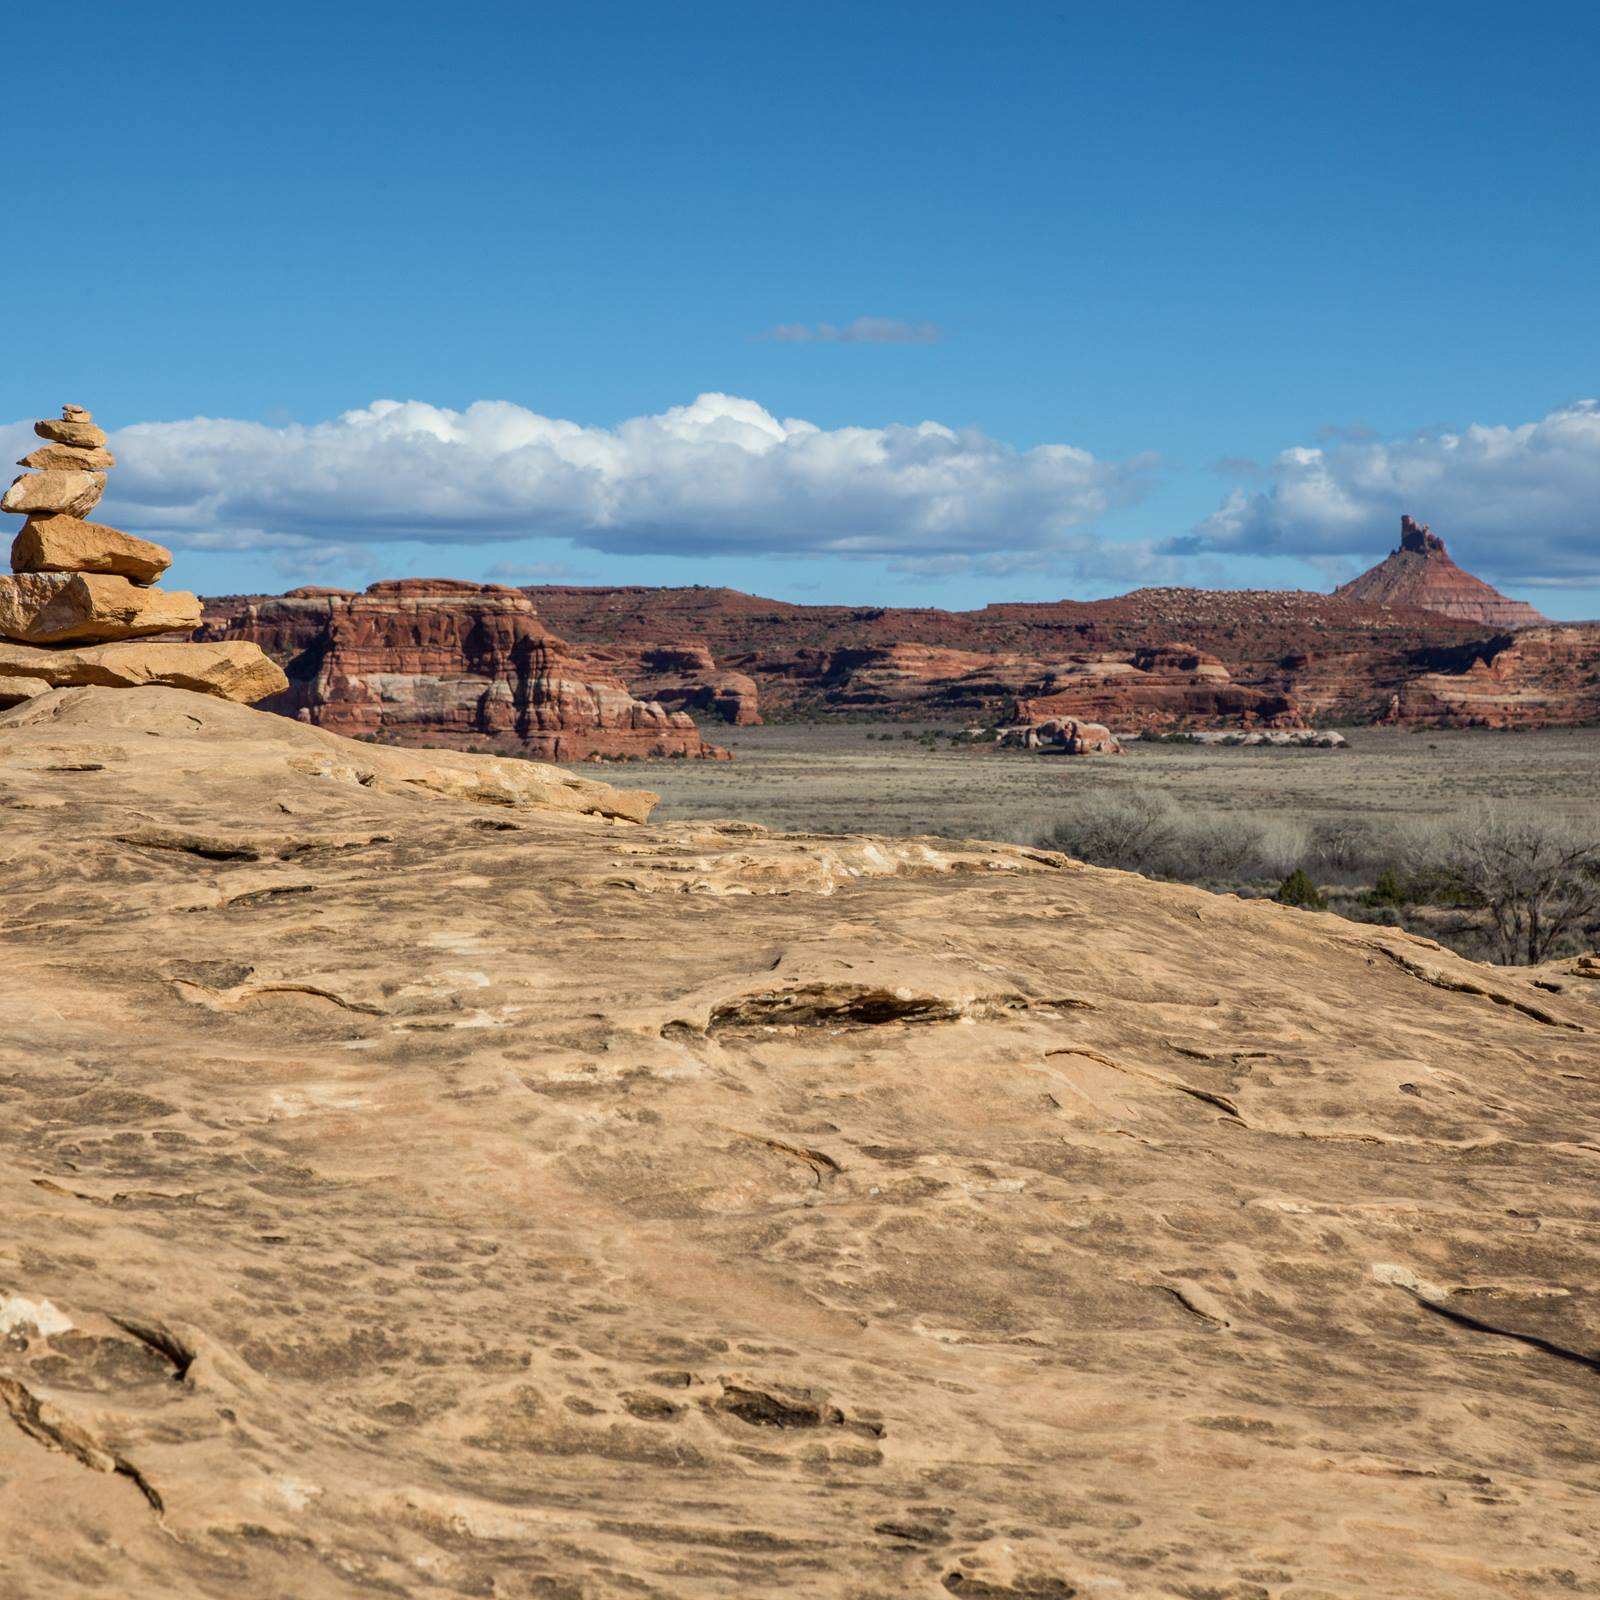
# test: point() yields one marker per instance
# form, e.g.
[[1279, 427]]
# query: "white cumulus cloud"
[[719, 476], [1517, 504]]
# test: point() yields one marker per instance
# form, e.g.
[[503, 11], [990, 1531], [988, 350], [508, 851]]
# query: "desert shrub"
[[1535, 879], [1216, 847], [1132, 829], [1300, 889], [1345, 846]]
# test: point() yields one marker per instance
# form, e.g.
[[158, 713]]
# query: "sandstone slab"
[[68, 458], [448, 1194], [233, 670], [70, 494], [66, 544], [16, 689], [82, 607], [71, 430]]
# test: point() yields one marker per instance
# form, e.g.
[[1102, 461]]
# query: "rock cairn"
[[80, 609]]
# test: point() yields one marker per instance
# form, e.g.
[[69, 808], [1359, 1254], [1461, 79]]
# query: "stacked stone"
[[81, 593]]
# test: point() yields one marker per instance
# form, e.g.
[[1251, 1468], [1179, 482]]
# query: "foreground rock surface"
[[411, 1188], [231, 671], [64, 607]]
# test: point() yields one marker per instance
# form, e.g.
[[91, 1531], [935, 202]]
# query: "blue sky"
[[1192, 293]]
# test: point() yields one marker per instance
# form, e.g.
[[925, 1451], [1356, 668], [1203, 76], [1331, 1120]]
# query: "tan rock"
[[88, 607], [69, 493], [64, 544], [491, 1198], [13, 691], [230, 671], [70, 431], [69, 458], [76, 414]]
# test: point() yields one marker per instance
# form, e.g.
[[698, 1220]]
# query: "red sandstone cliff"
[[1257, 658], [1534, 678], [1421, 573], [462, 665]]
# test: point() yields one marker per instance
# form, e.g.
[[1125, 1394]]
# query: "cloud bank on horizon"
[[724, 477], [1517, 503], [721, 476]]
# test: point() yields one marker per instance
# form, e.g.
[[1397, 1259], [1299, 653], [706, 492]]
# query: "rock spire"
[[1421, 573], [82, 584]]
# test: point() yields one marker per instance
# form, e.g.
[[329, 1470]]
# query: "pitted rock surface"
[[420, 1180]]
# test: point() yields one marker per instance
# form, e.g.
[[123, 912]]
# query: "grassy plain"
[[833, 778]]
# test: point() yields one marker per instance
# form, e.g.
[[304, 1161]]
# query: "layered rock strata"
[[1261, 658], [1419, 572], [459, 665], [77, 583], [1339, 660], [1532, 678]]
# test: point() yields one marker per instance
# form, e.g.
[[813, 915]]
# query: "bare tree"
[[1133, 829], [1537, 877]]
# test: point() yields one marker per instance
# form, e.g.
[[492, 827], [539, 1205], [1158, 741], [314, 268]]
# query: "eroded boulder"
[[231, 670], [66, 544], [74, 607], [68, 494]]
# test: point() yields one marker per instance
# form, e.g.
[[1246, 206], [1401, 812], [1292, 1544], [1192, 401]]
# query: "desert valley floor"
[[834, 777]]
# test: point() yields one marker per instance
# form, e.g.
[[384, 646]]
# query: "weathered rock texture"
[[1248, 659], [438, 662], [68, 607], [1334, 659], [411, 1194], [1064, 734], [70, 585], [64, 544], [1171, 686], [1420, 573], [234, 669], [1532, 678], [66, 494]]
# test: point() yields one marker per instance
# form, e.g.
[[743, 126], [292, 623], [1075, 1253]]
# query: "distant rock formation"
[[1421, 573], [77, 583], [1171, 686], [1249, 658], [1064, 734], [1534, 678], [435, 661]]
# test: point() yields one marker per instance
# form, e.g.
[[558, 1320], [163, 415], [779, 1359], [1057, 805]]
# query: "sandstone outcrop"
[[417, 1186], [1065, 734], [1419, 572], [1337, 660], [462, 665], [84, 583], [1261, 658], [1533, 678]]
